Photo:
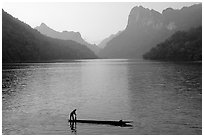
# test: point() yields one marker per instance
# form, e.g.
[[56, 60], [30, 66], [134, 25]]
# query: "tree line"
[[181, 46], [21, 43]]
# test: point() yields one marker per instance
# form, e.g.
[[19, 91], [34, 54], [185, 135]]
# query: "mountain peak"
[[43, 24], [146, 28], [144, 11], [72, 34], [44, 48], [137, 9], [64, 35], [167, 10], [140, 16]]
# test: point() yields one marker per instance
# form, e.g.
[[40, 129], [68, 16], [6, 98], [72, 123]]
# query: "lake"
[[159, 97]]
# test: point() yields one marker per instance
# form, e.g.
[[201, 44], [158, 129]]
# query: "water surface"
[[159, 97]]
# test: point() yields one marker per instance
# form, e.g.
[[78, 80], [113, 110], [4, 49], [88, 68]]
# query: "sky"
[[95, 21]]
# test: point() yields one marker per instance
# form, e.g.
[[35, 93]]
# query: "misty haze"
[[102, 68]]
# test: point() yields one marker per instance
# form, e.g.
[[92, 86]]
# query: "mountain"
[[21, 43], [146, 28], [103, 43], [181, 46], [66, 35]]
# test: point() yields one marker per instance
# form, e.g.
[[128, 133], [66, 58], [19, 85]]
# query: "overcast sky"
[[95, 21]]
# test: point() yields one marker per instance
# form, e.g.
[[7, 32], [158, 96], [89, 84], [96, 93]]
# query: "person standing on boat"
[[73, 115]]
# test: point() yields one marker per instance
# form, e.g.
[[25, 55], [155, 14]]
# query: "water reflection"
[[73, 127], [161, 98], [104, 87]]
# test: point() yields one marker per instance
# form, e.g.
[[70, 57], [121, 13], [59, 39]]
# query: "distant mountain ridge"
[[21, 43], [146, 28], [66, 35], [103, 43]]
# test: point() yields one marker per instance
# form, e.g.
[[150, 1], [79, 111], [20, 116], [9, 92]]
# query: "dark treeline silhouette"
[[181, 46], [21, 43]]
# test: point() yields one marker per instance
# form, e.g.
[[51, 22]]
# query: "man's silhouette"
[[73, 115]]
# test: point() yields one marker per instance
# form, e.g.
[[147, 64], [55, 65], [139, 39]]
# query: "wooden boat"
[[115, 123]]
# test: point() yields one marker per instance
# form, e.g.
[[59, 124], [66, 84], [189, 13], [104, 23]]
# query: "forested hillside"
[[21, 43], [147, 28], [181, 46]]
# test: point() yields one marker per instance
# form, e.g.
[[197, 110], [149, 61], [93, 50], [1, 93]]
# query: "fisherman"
[[73, 115]]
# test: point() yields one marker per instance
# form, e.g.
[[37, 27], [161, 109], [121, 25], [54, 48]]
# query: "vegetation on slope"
[[21, 43], [181, 46]]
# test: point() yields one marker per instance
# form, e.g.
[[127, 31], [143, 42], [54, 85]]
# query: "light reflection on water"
[[161, 98]]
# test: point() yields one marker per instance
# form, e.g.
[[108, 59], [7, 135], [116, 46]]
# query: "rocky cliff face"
[[146, 28], [141, 17]]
